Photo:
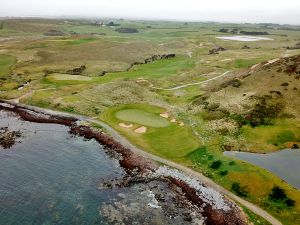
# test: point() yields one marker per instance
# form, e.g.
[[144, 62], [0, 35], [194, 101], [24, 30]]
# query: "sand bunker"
[[125, 125], [141, 130], [173, 120], [164, 115], [181, 124]]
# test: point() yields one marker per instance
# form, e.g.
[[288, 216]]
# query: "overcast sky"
[[275, 11]]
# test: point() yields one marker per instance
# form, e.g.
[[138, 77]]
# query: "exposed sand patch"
[[141, 130], [271, 61], [181, 124], [173, 120], [124, 125], [142, 80], [224, 60], [164, 115], [254, 66]]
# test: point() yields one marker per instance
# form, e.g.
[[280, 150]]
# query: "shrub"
[[216, 164], [262, 114], [285, 84], [127, 30], [213, 106], [278, 194], [231, 163], [239, 190], [223, 172]]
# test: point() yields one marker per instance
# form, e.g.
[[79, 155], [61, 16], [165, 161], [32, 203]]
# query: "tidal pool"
[[285, 163], [245, 38]]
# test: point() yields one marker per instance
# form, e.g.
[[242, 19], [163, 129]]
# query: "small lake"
[[285, 164], [245, 38]]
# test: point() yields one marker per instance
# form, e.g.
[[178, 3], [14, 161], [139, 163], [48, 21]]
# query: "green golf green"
[[141, 117]]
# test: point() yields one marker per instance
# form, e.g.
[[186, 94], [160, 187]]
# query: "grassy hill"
[[263, 100]]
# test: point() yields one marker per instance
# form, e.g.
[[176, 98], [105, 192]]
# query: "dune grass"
[[270, 138], [6, 61]]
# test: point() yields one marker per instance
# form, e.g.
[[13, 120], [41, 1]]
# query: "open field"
[[121, 78]]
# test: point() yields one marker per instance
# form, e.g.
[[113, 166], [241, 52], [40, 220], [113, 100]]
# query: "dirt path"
[[187, 170], [190, 84], [17, 100]]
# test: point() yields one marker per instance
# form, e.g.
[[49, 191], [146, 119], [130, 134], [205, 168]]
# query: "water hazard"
[[285, 163]]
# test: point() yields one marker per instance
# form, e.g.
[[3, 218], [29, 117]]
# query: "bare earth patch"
[[124, 125], [141, 130], [173, 120]]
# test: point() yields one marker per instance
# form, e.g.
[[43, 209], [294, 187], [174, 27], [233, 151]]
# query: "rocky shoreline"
[[214, 208]]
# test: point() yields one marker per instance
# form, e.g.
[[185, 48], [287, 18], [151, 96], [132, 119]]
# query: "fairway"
[[142, 118], [71, 77]]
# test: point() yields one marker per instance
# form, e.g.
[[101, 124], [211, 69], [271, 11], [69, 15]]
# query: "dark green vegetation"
[[239, 190], [98, 68], [278, 195]]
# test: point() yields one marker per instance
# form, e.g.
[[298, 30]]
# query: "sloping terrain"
[[264, 100]]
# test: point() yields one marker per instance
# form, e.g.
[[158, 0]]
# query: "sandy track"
[[205, 180], [191, 84]]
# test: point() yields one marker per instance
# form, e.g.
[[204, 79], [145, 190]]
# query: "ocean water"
[[51, 177]]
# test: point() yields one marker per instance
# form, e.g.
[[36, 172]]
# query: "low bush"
[[239, 190], [216, 164], [278, 194], [223, 173]]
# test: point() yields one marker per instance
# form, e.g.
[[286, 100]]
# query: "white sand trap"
[[173, 120], [164, 115], [245, 38], [181, 124], [125, 125], [141, 130]]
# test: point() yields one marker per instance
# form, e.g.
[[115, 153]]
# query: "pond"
[[245, 38], [285, 164]]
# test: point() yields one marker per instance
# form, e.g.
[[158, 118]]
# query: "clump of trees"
[[278, 194], [234, 83], [77, 70], [127, 30], [236, 31], [216, 164], [53, 32]]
